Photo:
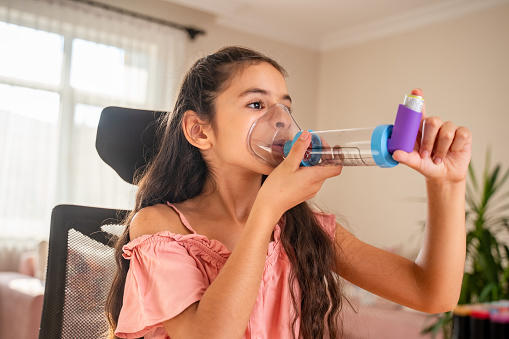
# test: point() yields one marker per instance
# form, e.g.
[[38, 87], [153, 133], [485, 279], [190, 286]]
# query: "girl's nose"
[[280, 124]]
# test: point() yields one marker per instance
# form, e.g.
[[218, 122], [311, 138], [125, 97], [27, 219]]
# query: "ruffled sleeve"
[[328, 223], [162, 281]]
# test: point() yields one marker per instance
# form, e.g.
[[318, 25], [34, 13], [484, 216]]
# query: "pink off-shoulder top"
[[170, 271]]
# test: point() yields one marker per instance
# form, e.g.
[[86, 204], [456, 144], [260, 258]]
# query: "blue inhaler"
[[272, 136]]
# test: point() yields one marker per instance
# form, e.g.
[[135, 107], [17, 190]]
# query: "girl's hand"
[[288, 184], [442, 150]]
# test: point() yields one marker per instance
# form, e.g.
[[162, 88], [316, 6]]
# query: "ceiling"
[[327, 24]]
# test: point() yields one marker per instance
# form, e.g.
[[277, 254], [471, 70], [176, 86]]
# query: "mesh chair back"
[[80, 271]]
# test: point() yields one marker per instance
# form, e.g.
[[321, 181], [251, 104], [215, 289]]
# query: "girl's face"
[[250, 92]]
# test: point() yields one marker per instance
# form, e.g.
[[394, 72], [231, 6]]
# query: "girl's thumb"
[[299, 149], [409, 159], [400, 156]]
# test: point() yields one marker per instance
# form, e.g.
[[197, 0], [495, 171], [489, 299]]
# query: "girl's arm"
[[441, 260], [433, 282], [225, 307], [430, 284]]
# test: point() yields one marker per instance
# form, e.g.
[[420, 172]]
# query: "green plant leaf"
[[496, 220], [503, 208], [487, 290], [470, 236], [502, 180], [470, 198], [434, 328], [490, 185], [428, 329], [486, 259], [470, 246], [465, 289], [500, 198], [497, 246], [487, 162], [471, 174], [506, 248]]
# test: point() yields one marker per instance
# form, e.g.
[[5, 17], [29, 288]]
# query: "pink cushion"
[[21, 299], [28, 264]]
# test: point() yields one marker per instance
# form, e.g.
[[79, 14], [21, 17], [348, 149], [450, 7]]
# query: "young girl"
[[222, 245]]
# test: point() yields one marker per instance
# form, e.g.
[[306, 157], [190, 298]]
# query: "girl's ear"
[[198, 132]]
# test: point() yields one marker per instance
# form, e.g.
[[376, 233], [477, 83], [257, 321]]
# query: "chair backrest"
[[126, 139], [81, 263], [81, 266]]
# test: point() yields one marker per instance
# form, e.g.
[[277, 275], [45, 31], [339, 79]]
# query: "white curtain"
[[61, 63]]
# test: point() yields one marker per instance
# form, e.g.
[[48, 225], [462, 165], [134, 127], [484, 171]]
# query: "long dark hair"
[[310, 250]]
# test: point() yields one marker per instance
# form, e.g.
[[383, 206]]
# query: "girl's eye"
[[259, 105], [255, 105]]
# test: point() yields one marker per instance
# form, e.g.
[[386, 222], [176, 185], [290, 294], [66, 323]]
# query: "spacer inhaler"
[[272, 136]]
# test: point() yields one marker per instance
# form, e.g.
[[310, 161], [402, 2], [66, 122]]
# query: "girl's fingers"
[[462, 137], [443, 141], [327, 151], [417, 145], [320, 173], [430, 130], [312, 174], [298, 150]]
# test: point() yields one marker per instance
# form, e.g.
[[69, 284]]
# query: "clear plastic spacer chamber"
[[272, 136]]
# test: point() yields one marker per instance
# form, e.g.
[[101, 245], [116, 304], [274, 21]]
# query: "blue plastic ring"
[[379, 148], [316, 143]]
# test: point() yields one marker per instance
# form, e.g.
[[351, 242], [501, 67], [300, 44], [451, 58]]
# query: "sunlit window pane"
[[108, 70], [29, 148], [32, 104], [87, 115], [29, 54]]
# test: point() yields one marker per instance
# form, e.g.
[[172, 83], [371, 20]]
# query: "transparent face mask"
[[269, 133]]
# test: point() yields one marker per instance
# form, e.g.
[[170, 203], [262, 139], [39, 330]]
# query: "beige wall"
[[462, 67]]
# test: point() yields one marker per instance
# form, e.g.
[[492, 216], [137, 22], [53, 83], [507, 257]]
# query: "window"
[[56, 76]]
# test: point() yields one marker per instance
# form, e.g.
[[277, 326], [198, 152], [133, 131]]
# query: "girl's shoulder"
[[156, 219], [159, 229]]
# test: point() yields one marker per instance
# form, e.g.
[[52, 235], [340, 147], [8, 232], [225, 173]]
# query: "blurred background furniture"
[[22, 271], [380, 318]]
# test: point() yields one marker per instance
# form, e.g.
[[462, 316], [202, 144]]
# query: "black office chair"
[[81, 263]]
